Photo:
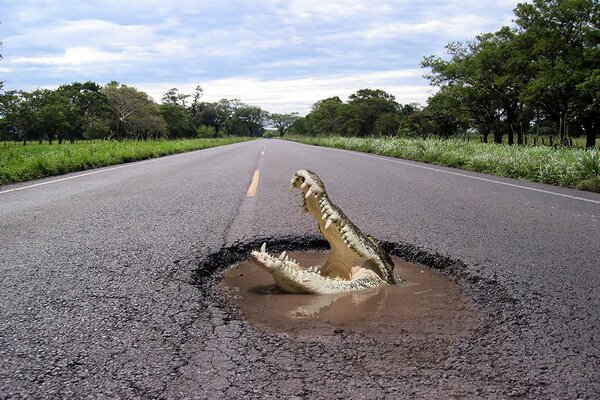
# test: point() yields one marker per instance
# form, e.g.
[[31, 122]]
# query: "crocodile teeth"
[[303, 185], [328, 223], [286, 257], [308, 193], [263, 248], [282, 256], [324, 216]]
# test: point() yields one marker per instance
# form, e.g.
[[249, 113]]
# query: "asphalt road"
[[105, 281]]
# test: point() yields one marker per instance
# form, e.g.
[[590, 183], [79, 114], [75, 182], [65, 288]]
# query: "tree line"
[[117, 111], [540, 77]]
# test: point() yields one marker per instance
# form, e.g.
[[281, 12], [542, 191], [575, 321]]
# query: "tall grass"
[[33, 161], [569, 167]]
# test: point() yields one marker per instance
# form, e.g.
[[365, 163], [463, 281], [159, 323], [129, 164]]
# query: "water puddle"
[[427, 304]]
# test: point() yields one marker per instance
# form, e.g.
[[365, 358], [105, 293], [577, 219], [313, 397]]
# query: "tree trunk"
[[485, 132], [590, 135], [498, 137], [520, 134]]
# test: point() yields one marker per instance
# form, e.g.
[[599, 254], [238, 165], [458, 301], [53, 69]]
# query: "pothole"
[[428, 303]]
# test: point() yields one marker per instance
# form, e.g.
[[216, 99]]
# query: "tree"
[[10, 109], [197, 106], [215, 114], [445, 111], [365, 107], [85, 103], [173, 97], [486, 78], [251, 118], [132, 112], [325, 116], [387, 124], [282, 122], [178, 121], [562, 39]]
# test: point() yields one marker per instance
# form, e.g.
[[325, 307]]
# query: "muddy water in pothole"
[[427, 303]]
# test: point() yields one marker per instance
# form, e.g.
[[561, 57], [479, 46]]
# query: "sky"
[[280, 55]]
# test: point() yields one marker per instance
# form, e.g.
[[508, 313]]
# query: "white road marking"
[[467, 176]]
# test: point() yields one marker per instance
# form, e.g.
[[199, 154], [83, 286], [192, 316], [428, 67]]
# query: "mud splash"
[[427, 304]]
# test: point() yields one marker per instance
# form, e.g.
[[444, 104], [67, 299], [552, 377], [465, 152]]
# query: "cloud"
[[287, 95], [453, 27], [75, 56]]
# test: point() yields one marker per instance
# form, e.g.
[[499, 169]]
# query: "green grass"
[[568, 167], [33, 161]]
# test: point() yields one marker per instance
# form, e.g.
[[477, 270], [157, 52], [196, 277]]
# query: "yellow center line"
[[253, 184]]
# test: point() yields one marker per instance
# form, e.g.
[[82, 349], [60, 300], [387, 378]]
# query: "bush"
[[205, 131]]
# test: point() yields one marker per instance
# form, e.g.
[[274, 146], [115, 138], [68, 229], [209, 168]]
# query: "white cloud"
[[452, 27], [288, 95], [74, 56]]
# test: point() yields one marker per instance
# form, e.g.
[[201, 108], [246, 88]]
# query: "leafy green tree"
[[215, 114], [197, 106], [84, 102], [303, 126], [174, 97], [561, 38], [178, 121], [9, 110], [251, 118], [387, 124], [485, 78], [132, 112], [325, 116], [35, 115], [445, 111], [366, 106], [283, 122]]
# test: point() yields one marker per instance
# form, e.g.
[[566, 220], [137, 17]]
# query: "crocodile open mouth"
[[355, 260]]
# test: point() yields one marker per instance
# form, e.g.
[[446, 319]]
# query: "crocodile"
[[356, 261]]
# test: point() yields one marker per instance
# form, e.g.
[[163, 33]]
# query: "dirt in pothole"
[[427, 304]]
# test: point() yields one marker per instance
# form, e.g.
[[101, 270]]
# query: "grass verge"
[[23, 163], [568, 167]]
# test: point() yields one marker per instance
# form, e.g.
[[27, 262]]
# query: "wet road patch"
[[427, 303]]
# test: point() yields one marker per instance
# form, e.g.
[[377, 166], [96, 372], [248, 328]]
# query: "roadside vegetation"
[[20, 163], [569, 167]]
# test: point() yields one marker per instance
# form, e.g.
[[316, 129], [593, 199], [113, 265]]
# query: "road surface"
[[105, 280]]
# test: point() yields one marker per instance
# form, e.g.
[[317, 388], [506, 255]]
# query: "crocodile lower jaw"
[[292, 278]]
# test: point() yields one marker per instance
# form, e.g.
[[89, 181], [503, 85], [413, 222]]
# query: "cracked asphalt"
[[107, 281]]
